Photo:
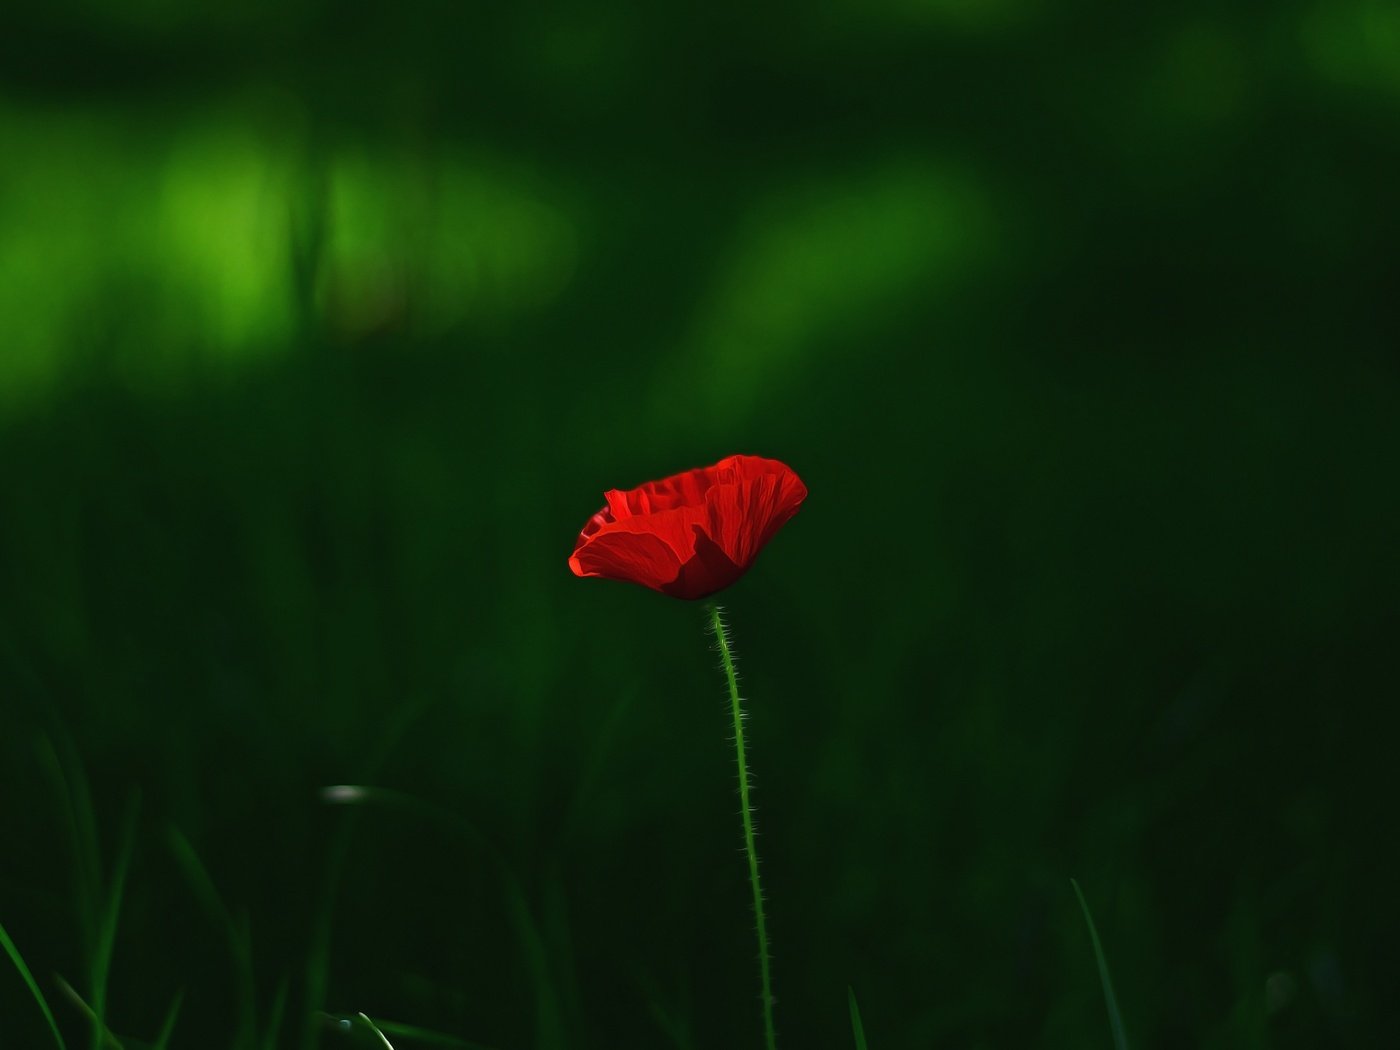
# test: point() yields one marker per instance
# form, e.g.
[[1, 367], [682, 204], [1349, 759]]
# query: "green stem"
[[746, 809]]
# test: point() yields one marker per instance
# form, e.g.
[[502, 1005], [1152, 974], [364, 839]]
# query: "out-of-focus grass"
[[1115, 1017], [236, 236], [39, 999], [233, 930], [167, 1027], [323, 328], [857, 1027]]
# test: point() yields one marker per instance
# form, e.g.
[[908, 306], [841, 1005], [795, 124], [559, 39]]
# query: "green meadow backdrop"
[[323, 328]]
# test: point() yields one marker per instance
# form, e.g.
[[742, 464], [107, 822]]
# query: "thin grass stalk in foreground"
[[423, 1035], [70, 784], [43, 1004], [857, 1029], [1115, 1019], [171, 1016], [237, 933], [736, 705], [103, 1036], [274, 1017], [383, 1039], [107, 931], [548, 1021]]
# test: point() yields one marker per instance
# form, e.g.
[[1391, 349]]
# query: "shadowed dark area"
[[323, 329]]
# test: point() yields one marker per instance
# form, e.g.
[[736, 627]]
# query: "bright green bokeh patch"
[[1356, 44], [173, 248], [98, 227], [432, 242], [826, 260]]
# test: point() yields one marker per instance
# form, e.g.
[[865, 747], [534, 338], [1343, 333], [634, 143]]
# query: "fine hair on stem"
[[724, 645]]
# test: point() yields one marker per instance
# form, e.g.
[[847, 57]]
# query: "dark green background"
[[324, 326]]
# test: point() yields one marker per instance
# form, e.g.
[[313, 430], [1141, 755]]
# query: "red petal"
[[680, 490], [693, 533], [745, 514], [707, 571], [633, 557]]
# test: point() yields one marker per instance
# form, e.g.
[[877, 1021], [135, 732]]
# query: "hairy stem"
[[746, 810]]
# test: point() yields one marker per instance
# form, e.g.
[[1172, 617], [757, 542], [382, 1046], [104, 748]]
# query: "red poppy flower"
[[691, 534]]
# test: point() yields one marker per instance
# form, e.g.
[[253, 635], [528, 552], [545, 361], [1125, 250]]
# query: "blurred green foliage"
[[323, 328]]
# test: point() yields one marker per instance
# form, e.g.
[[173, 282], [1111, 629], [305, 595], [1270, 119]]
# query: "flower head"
[[691, 534]]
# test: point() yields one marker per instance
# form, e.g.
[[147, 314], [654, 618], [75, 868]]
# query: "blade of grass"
[[171, 1015], [18, 960], [107, 931], [241, 947], [399, 1030], [671, 1010], [555, 928], [375, 1029], [76, 803], [549, 1022], [274, 1018], [198, 877], [675, 1031], [857, 1029], [319, 951], [236, 931], [1115, 1019], [318, 954], [102, 1035]]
